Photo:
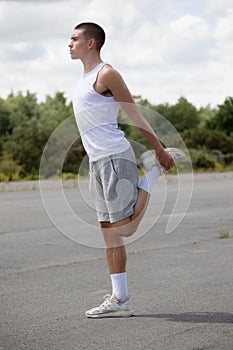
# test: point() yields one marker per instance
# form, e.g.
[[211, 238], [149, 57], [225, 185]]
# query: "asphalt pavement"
[[180, 284]]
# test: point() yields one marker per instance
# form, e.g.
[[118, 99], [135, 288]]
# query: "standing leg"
[[116, 259], [114, 248], [118, 304]]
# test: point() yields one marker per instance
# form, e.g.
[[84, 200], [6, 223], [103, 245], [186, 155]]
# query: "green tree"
[[206, 114], [25, 145], [164, 109], [54, 110], [223, 119], [209, 139], [184, 115], [33, 125], [5, 123], [22, 107]]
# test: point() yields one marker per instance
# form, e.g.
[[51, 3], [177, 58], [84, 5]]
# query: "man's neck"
[[90, 63]]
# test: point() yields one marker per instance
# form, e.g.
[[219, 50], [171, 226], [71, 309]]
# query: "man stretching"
[[120, 198]]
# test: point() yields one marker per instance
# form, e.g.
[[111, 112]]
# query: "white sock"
[[119, 286], [149, 179]]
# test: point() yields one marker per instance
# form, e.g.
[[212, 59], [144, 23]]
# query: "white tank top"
[[96, 118]]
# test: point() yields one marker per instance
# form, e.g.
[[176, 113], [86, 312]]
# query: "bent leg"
[[128, 226], [113, 233]]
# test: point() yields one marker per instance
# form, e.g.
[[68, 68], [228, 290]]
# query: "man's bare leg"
[[114, 234], [115, 249], [126, 227]]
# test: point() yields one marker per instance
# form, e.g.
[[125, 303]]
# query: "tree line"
[[26, 125]]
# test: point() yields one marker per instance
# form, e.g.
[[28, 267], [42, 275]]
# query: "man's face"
[[78, 44]]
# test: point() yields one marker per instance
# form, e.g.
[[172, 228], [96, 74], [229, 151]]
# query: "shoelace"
[[107, 298]]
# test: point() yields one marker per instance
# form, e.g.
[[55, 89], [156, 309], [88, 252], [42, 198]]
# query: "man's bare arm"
[[112, 80]]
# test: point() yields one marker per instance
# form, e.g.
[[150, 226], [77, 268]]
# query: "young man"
[[120, 198]]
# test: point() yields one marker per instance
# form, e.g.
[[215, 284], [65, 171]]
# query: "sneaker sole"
[[176, 154], [112, 314]]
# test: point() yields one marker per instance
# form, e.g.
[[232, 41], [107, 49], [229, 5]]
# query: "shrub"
[[228, 158], [9, 168], [201, 159], [210, 139]]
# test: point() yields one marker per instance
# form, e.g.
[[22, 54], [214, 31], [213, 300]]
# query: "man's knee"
[[124, 228]]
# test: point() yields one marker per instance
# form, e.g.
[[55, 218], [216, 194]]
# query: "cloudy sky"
[[163, 48]]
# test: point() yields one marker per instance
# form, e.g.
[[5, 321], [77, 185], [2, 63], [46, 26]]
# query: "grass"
[[224, 234]]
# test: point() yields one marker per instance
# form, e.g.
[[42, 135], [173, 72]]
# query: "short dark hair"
[[93, 31]]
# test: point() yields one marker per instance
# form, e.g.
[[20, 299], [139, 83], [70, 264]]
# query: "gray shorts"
[[113, 183]]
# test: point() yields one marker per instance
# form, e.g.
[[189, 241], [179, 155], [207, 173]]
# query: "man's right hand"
[[164, 158]]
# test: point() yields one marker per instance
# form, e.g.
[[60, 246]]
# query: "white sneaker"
[[176, 154], [149, 160], [111, 307]]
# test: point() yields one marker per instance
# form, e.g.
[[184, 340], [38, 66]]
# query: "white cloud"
[[189, 24], [224, 27], [217, 7], [187, 40], [22, 51]]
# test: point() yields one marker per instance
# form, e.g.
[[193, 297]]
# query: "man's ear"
[[91, 43]]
